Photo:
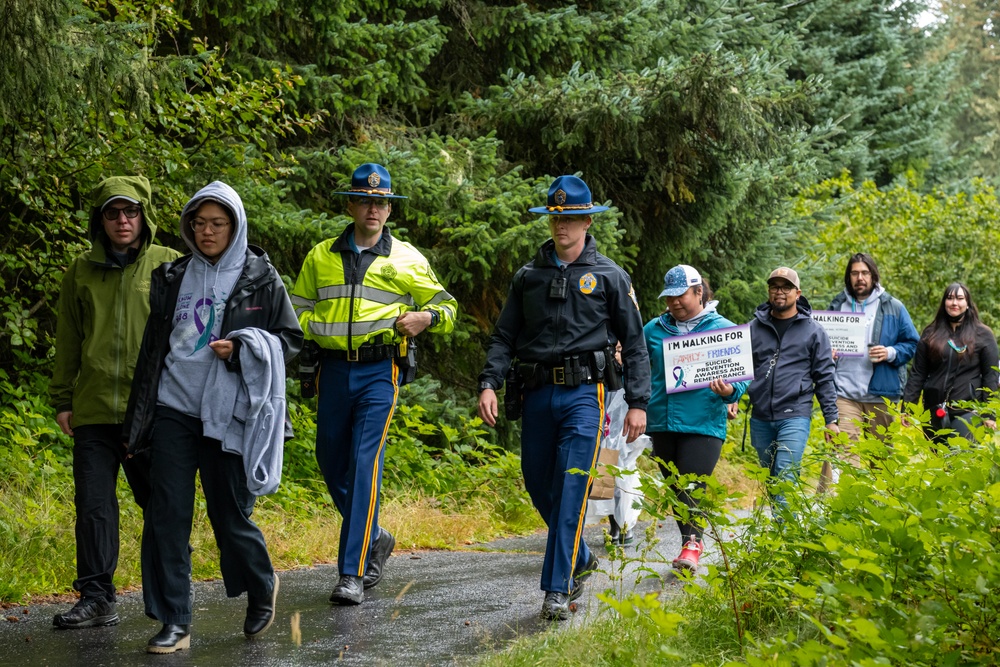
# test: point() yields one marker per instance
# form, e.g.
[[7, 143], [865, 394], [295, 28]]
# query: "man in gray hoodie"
[[864, 383]]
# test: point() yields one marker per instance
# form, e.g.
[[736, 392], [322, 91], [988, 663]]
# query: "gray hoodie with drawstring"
[[200, 305]]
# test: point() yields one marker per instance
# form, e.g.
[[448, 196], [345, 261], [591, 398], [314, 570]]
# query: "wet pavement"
[[431, 608]]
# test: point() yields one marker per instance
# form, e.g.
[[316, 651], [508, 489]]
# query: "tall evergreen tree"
[[973, 33], [886, 98]]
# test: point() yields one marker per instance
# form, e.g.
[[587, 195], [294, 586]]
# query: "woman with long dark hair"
[[956, 361]]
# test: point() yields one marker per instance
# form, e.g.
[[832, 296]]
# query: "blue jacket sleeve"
[[907, 339], [739, 388]]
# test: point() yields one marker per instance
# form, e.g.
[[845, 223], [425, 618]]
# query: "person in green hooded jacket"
[[102, 312]]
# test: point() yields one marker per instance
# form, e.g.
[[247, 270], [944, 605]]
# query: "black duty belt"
[[365, 353], [568, 376], [573, 372]]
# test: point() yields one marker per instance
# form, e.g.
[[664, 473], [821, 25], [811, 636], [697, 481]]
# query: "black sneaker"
[[88, 613]]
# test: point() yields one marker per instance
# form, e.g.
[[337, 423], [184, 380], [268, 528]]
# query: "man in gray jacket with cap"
[[792, 361]]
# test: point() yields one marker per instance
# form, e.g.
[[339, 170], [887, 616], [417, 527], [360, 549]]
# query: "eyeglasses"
[[369, 201], [784, 289], [216, 224], [861, 274], [112, 212]]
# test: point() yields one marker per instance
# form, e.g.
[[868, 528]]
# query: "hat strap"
[[373, 191], [571, 207]]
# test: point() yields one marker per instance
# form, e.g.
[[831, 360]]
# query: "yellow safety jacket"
[[344, 299]]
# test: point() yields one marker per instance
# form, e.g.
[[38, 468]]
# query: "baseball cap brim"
[[674, 291], [114, 197]]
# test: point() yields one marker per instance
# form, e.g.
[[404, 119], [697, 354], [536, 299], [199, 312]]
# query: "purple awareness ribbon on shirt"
[[204, 329]]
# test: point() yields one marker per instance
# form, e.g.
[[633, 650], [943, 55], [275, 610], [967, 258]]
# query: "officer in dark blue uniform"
[[565, 312]]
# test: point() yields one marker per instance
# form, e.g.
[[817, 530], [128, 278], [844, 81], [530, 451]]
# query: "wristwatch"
[[435, 318], [484, 385]]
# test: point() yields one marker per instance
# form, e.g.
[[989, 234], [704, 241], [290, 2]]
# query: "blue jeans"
[[780, 446]]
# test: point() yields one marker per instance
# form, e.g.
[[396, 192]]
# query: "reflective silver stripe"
[[357, 328], [372, 294], [438, 298], [450, 311], [333, 292], [302, 305]]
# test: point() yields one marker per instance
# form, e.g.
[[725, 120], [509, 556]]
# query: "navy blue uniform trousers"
[[355, 405], [562, 430], [179, 450]]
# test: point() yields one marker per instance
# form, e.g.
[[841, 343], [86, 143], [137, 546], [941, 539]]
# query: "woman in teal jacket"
[[687, 428]]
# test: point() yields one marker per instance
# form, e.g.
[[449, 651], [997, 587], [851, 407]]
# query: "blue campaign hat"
[[679, 279], [569, 195], [371, 180]]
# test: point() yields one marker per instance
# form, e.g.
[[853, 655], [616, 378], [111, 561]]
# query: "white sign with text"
[[847, 331], [692, 361]]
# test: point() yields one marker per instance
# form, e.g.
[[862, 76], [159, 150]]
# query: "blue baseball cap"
[[569, 195], [679, 279], [371, 180]]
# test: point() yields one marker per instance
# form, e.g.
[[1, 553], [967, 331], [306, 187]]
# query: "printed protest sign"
[[693, 360], [846, 331]]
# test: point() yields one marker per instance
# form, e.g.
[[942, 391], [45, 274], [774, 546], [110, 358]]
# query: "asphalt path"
[[431, 608]]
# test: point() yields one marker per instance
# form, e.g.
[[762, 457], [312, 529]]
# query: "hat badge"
[[559, 197], [374, 179]]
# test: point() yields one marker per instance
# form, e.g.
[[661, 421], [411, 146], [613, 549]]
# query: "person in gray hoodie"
[[196, 303], [864, 383]]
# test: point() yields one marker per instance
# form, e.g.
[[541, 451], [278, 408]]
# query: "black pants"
[[179, 450], [691, 454], [98, 452], [959, 422]]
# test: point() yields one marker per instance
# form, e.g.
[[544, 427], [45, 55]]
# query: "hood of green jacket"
[[133, 187]]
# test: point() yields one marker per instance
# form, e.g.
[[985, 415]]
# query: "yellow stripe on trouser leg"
[[593, 463], [373, 499]]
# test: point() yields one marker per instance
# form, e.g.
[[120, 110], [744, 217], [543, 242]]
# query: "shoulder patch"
[[587, 283], [631, 294]]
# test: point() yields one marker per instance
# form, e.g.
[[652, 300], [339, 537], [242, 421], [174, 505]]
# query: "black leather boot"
[[260, 612], [170, 638]]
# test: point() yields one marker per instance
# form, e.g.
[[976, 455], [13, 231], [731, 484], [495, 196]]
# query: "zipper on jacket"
[[356, 259], [118, 346], [559, 315]]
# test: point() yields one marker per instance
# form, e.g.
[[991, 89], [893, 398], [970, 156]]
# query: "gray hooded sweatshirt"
[[200, 305]]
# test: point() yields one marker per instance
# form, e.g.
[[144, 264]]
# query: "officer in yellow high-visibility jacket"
[[360, 298]]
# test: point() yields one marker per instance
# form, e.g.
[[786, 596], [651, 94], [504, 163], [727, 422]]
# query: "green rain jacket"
[[102, 313]]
